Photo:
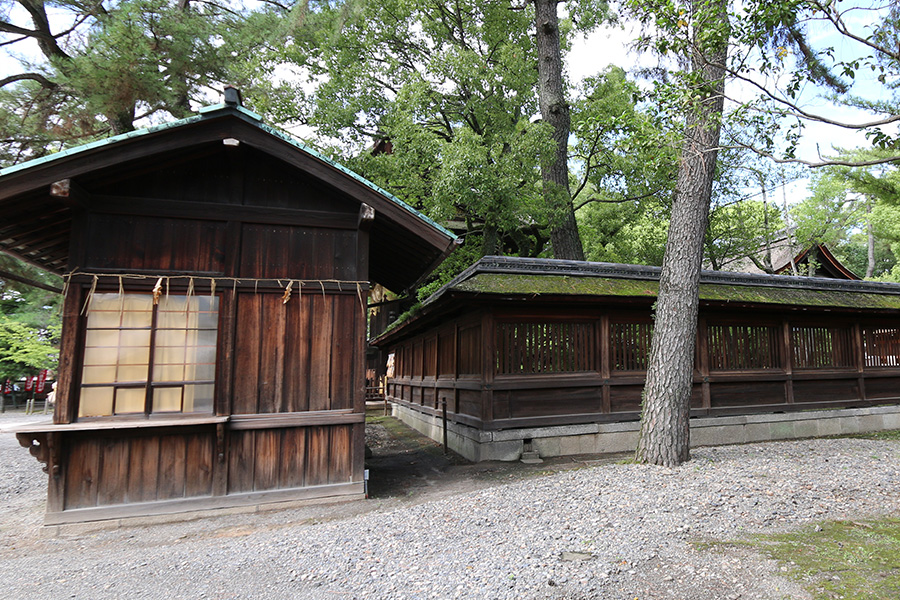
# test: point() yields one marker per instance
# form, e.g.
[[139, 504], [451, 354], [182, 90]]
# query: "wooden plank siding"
[[550, 366], [273, 357]]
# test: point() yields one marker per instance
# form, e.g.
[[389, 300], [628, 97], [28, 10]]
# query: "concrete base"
[[602, 438]]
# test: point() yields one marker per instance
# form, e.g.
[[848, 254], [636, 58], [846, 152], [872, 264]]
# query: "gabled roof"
[[828, 265], [35, 226], [502, 278]]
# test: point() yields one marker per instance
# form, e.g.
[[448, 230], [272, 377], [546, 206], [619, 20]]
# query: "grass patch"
[[841, 559], [892, 435]]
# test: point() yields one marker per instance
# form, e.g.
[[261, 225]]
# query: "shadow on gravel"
[[406, 464]]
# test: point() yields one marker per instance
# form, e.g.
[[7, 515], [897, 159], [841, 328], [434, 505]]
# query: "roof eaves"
[[246, 115], [98, 144]]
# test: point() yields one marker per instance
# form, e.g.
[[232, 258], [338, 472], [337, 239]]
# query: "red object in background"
[[7, 389], [29, 383], [42, 377]]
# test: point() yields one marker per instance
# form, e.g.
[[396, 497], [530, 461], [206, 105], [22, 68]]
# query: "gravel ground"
[[615, 531]]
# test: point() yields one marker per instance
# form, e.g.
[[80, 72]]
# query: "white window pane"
[[131, 373], [168, 373], [102, 337], [198, 398], [167, 399], [130, 400], [95, 402], [202, 354], [171, 320], [137, 319], [201, 372], [172, 303], [167, 355], [101, 374], [170, 337], [138, 302], [208, 320], [104, 318], [101, 356], [109, 302], [134, 356], [133, 338]]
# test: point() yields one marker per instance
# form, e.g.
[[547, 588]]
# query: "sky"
[[607, 45], [610, 45]]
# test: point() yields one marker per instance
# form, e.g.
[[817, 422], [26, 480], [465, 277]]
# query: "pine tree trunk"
[[555, 111], [665, 432]]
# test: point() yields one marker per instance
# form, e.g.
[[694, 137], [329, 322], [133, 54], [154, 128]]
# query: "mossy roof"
[[531, 278], [555, 285]]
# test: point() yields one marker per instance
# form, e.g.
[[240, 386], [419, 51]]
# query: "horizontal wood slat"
[[295, 419]]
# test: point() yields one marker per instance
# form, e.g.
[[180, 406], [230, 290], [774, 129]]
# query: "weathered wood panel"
[[320, 366], [112, 481], [137, 243], [302, 355], [746, 393], [143, 471], [241, 460], [287, 252], [553, 401], [828, 390], [247, 353], [878, 388], [267, 455], [293, 458], [172, 459], [625, 398], [199, 464], [120, 468], [318, 455], [82, 472]]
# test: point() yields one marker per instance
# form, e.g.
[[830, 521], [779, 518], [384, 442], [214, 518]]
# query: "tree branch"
[[825, 162], [29, 282], [46, 83]]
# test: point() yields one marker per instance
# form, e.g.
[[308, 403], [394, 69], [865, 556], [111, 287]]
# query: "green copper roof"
[[215, 111]]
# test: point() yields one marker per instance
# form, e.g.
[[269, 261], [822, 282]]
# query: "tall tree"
[[101, 67], [665, 432], [555, 111], [452, 87]]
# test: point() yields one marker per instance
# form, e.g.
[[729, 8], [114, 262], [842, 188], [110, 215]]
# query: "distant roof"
[[532, 278], [784, 253], [399, 231], [828, 265]]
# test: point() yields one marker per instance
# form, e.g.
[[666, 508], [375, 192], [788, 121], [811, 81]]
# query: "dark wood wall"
[[500, 366], [289, 375]]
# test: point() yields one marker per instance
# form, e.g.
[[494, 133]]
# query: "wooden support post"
[[606, 404], [69, 357], [860, 359], [487, 368], [703, 361], [787, 361]]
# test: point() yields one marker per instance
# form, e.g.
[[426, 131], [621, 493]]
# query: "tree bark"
[[870, 241], [555, 111], [665, 431]]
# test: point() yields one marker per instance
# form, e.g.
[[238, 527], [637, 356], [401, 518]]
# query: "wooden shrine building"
[[550, 356], [214, 325]]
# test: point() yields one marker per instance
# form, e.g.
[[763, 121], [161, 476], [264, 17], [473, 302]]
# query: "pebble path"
[[617, 532]]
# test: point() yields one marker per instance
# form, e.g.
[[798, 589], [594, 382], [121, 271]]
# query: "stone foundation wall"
[[597, 438]]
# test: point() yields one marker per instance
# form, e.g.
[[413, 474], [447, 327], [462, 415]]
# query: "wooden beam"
[[29, 282], [46, 266], [130, 205]]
